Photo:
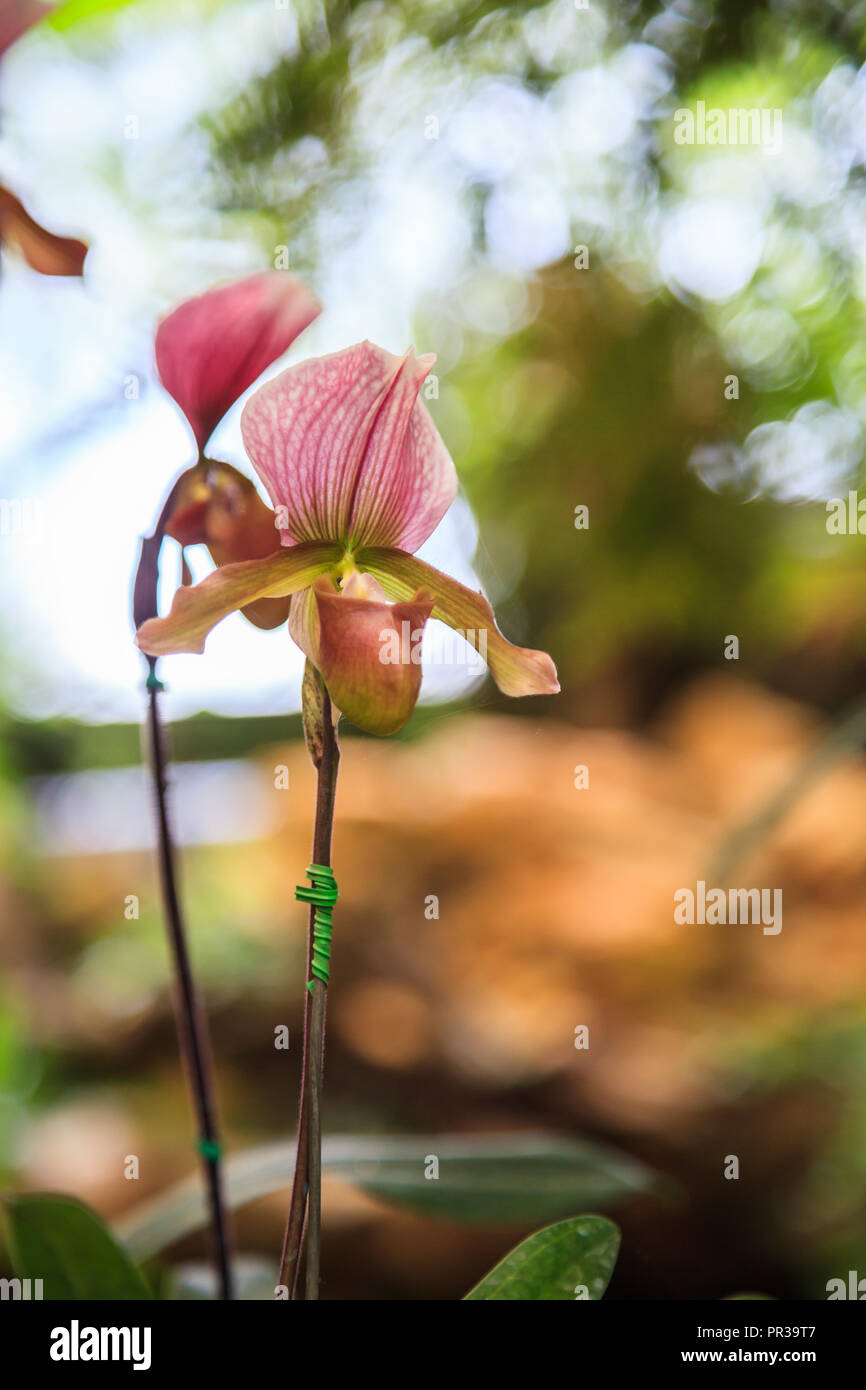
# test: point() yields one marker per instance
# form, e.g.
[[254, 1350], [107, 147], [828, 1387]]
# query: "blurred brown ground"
[[555, 910]]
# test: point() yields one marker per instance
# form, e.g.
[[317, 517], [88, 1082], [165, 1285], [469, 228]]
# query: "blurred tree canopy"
[[610, 390]]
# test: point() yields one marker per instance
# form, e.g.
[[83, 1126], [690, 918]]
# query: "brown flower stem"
[[314, 1140], [304, 1220], [293, 1239], [191, 1026]]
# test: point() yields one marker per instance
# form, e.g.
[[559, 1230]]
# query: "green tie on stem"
[[322, 895]]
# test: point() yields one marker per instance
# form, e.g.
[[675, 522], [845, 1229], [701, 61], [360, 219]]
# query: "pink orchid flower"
[[208, 351], [359, 478]]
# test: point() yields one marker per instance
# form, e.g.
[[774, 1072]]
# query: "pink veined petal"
[[211, 348], [345, 446], [407, 481]]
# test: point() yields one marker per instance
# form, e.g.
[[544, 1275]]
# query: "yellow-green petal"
[[516, 670], [197, 608]]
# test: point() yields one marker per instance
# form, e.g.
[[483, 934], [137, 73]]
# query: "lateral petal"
[[516, 670], [195, 610]]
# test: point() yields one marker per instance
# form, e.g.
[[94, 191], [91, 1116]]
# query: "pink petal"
[[516, 670], [16, 17], [211, 348], [343, 444]]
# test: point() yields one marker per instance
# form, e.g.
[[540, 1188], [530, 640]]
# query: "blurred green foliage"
[[604, 395]]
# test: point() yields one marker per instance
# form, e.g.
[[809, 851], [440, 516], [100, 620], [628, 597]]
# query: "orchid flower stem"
[[314, 1140], [191, 1025], [304, 1220], [290, 1260]]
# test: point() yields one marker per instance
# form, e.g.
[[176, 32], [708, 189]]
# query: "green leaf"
[[62, 1242], [493, 1180], [497, 1179], [558, 1263]]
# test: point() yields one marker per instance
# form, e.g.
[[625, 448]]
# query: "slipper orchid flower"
[[359, 478]]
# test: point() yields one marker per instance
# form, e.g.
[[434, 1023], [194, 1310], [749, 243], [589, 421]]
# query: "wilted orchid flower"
[[216, 506], [359, 478], [208, 351]]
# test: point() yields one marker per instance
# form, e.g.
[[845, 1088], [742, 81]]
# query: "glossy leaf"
[[493, 1180], [68, 1246], [572, 1260]]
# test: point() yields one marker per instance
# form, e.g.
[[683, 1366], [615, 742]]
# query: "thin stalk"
[[303, 1226], [191, 1026], [846, 736], [290, 1259], [314, 1140]]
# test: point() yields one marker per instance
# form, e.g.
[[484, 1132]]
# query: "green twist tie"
[[154, 684], [322, 895], [210, 1149]]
